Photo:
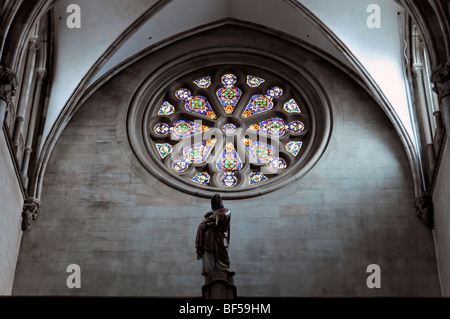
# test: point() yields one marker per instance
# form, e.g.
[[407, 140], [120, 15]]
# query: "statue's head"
[[216, 202]]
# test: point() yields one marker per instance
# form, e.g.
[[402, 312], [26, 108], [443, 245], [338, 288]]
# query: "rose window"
[[228, 130]]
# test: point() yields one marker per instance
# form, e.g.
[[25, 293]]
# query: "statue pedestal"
[[219, 285]]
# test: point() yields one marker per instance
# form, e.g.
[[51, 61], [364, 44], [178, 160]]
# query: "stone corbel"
[[441, 74], [424, 209], [29, 213]]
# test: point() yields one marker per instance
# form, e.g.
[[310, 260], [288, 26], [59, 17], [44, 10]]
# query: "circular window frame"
[[149, 95]]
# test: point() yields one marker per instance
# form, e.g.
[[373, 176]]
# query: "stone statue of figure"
[[213, 237]]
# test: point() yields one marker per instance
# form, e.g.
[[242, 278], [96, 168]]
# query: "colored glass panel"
[[256, 177], [262, 103], [180, 166], [164, 149], [182, 128], [296, 127], [195, 104], [274, 126], [229, 95], [204, 82], [293, 147], [161, 128], [229, 160], [291, 106], [254, 81], [202, 178], [278, 164], [229, 180], [229, 128], [198, 153], [261, 152], [166, 109]]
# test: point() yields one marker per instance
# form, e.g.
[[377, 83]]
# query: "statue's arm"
[[217, 218]]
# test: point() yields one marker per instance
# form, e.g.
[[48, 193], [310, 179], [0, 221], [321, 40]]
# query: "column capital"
[[41, 74], [441, 80], [33, 43], [441, 74]]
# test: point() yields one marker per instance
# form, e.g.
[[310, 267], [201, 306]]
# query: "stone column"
[[26, 91], [422, 107], [41, 73]]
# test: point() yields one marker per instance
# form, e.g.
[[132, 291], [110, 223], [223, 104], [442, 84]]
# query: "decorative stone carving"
[[441, 74], [7, 84], [424, 209], [29, 213], [441, 80]]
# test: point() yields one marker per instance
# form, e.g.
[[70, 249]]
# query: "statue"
[[213, 238]]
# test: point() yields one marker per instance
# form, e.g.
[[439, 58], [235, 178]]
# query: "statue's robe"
[[212, 240]]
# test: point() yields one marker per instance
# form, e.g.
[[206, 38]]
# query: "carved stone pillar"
[[41, 73], [7, 84], [27, 89], [29, 213], [439, 132], [421, 108]]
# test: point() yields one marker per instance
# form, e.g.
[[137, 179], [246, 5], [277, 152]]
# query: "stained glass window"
[[262, 131], [161, 129], [229, 180], [293, 147], [164, 149], [204, 82], [291, 106], [278, 163], [261, 103], [198, 153], [229, 95], [195, 104], [202, 178], [229, 128], [274, 126], [261, 152], [182, 128], [180, 166], [166, 109], [296, 127], [254, 81], [229, 161], [256, 177]]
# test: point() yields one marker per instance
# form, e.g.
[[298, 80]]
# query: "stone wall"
[[134, 236], [11, 203], [441, 204]]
